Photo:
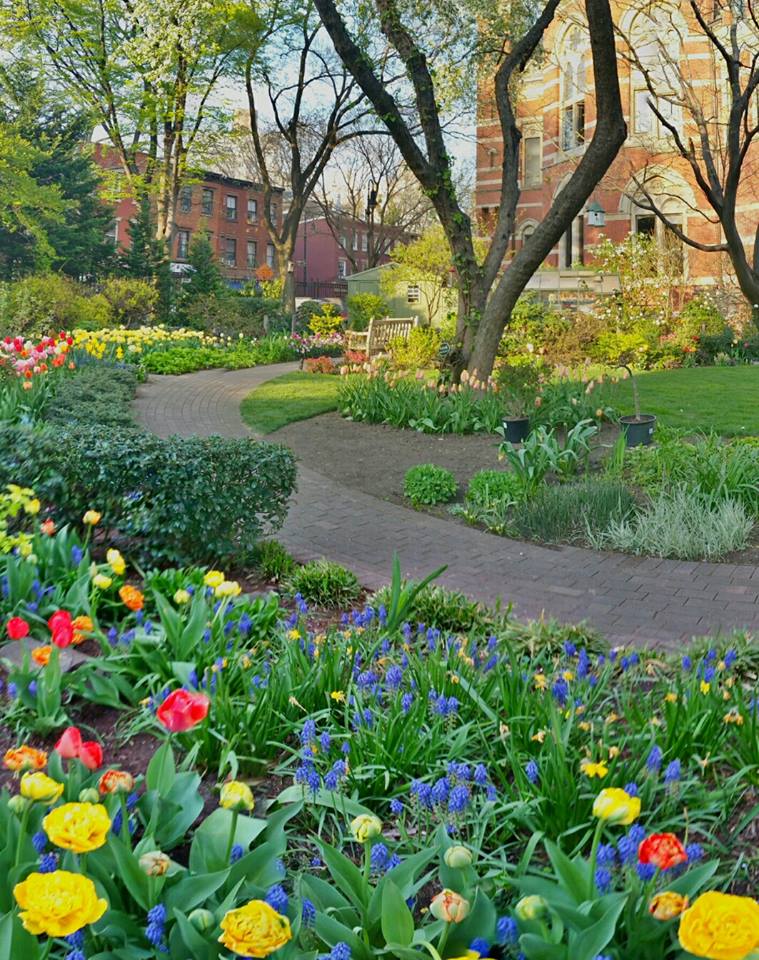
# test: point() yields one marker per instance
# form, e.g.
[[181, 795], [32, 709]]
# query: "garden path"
[[637, 600]]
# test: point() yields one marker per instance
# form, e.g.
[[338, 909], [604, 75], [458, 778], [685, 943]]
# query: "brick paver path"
[[629, 599]]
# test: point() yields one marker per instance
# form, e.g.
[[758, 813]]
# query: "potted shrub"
[[638, 429], [519, 385]]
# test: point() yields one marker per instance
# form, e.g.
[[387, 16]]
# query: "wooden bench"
[[376, 338]]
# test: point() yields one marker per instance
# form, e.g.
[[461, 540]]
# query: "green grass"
[[724, 399], [293, 396]]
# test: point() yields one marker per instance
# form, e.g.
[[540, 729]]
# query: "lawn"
[[293, 396], [724, 399]]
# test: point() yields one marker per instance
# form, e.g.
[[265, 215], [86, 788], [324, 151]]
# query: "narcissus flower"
[[182, 710], [591, 769], [616, 806], [58, 904], [131, 597], [23, 758], [236, 795], [720, 926], [255, 930], [80, 827], [17, 628], [40, 787], [663, 850], [449, 906], [667, 905]]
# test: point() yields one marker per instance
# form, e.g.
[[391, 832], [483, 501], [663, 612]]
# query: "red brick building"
[[556, 110], [229, 209], [328, 251]]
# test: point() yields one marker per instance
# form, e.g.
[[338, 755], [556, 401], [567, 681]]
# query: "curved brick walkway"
[[630, 599]]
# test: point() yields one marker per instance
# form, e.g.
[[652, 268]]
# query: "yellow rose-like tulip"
[[366, 827], [116, 562], [91, 518], [58, 903], [39, 786], [667, 905], [213, 578], [101, 581], [720, 926], [228, 588], [255, 930], [80, 827], [182, 596], [236, 796], [616, 806]]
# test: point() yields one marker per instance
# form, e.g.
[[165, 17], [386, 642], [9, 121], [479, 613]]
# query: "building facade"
[[658, 44], [230, 210]]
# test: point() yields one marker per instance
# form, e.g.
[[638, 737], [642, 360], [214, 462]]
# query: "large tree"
[[442, 45], [145, 69], [58, 133], [368, 182], [293, 75], [708, 111]]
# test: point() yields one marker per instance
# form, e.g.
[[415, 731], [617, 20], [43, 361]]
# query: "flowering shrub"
[[315, 345], [319, 365]]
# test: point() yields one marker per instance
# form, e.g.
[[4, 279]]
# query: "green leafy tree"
[[206, 278], [75, 229], [146, 257]]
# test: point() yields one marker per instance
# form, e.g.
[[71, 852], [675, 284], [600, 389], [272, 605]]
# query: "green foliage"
[[323, 583], [272, 560], [205, 278], [326, 322], [487, 486], [533, 328], [147, 259], [424, 262], [133, 301], [239, 355], [96, 393], [570, 512], [39, 303], [701, 317], [427, 484], [447, 610], [234, 315], [565, 401], [519, 382], [403, 402], [416, 351], [363, 307], [304, 312], [681, 523], [178, 500], [542, 453]]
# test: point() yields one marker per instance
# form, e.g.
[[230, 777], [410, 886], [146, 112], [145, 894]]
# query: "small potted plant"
[[519, 386], [638, 429]]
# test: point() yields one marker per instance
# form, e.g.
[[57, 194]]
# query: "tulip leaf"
[[397, 921], [135, 880], [346, 875], [192, 890], [196, 943], [15, 942], [535, 948], [332, 932], [590, 942], [572, 873], [161, 769], [324, 895]]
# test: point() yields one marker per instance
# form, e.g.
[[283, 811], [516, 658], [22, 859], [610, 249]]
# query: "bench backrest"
[[381, 332]]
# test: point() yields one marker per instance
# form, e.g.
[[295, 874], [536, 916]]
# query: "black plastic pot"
[[516, 428], [638, 431]]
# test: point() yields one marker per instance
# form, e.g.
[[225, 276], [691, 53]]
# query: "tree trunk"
[[284, 259]]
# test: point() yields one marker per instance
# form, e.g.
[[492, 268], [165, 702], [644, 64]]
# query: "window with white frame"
[[573, 87], [413, 293], [572, 245], [342, 269], [183, 244], [112, 233], [185, 199], [252, 209], [533, 161], [252, 253], [655, 42], [230, 206], [270, 255], [229, 251], [206, 201]]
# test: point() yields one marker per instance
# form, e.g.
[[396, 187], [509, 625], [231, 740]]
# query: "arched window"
[[672, 196], [655, 42], [573, 54]]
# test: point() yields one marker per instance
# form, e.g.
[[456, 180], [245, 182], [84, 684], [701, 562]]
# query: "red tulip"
[[91, 754], [182, 710], [663, 850], [69, 744], [17, 628], [62, 628]]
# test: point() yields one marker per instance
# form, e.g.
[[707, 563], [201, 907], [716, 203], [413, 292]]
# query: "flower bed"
[[509, 788]]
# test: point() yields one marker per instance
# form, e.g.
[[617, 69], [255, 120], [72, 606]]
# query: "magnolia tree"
[[144, 69], [443, 48], [707, 108]]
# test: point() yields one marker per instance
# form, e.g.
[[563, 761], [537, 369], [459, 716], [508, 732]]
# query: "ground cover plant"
[[290, 397], [428, 484]]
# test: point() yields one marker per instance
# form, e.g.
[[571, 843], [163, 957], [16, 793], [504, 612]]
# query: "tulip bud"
[[89, 795], [458, 857], [450, 906], [155, 863], [531, 908], [18, 804], [667, 905], [202, 920], [236, 796], [366, 827]]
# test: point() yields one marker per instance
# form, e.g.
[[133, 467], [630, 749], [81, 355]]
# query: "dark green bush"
[[363, 307], [177, 500], [428, 484], [567, 512], [233, 315], [98, 393], [304, 312], [324, 583]]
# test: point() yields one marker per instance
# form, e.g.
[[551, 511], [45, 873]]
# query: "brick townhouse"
[[228, 208], [556, 115]]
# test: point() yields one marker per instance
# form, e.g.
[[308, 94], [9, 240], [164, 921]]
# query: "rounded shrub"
[[428, 484], [489, 485], [323, 583]]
